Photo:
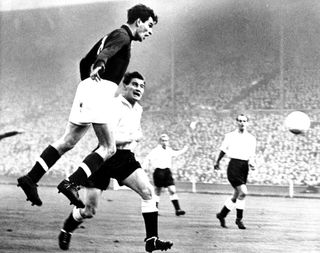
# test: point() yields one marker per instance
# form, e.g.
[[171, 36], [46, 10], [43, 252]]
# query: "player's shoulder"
[[120, 30], [251, 136], [119, 33], [230, 133]]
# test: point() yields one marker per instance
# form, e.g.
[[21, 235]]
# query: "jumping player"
[[101, 71], [124, 167], [239, 146], [160, 159]]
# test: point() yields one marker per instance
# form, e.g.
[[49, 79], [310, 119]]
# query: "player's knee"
[[107, 151], [89, 212], [242, 195], [112, 150], [147, 193], [65, 144]]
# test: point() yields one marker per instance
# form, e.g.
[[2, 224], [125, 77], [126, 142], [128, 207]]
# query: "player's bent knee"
[[106, 151], [147, 193], [89, 212], [242, 195], [112, 150]]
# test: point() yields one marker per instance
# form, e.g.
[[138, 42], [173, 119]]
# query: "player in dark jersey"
[[123, 167], [101, 71]]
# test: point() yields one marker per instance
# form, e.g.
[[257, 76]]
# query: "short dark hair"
[[130, 75], [141, 11]]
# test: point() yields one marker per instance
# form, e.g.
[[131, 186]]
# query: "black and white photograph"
[[183, 126]]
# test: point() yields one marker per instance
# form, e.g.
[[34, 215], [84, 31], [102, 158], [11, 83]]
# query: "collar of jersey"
[[127, 28]]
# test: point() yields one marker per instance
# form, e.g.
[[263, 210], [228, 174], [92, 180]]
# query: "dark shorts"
[[162, 177], [121, 165], [237, 172]]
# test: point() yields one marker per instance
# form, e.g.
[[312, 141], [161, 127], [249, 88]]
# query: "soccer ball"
[[297, 122]]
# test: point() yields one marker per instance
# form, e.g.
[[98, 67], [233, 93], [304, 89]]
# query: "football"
[[297, 122]]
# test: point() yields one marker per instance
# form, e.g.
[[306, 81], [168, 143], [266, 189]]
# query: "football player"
[[239, 145], [123, 167], [101, 71], [160, 159]]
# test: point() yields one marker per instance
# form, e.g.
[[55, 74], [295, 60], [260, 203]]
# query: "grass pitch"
[[273, 224]]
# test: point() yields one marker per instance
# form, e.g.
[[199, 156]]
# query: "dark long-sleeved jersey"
[[112, 53]]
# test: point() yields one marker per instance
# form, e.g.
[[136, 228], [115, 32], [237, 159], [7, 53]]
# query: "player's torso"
[[117, 64]]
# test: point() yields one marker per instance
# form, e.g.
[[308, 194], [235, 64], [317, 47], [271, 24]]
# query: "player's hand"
[[94, 75], [216, 166]]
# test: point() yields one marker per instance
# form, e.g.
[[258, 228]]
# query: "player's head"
[[133, 86], [164, 140], [142, 19], [242, 122]]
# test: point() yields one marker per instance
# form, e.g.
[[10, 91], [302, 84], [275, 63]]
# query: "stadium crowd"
[[281, 156], [200, 122]]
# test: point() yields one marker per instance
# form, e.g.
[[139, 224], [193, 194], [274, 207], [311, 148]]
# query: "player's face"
[[144, 29], [242, 122], [135, 90], [164, 143]]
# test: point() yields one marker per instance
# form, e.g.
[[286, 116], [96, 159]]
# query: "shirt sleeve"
[[225, 144]]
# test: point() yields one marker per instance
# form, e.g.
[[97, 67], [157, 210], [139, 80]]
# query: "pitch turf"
[[273, 224]]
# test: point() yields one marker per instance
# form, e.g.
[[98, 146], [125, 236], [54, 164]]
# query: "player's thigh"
[[73, 133], [157, 190], [172, 189], [242, 190], [139, 182], [104, 133]]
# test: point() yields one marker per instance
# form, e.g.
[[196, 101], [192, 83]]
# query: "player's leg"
[[158, 181], [139, 182], [157, 191], [228, 206], [78, 215], [73, 133], [240, 204], [175, 200], [90, 164]]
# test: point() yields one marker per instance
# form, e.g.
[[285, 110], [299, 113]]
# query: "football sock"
[[150, 216], [240, 204], [239, 214], [175, 201], [45, 161], [71, 224], [228, 206], [89, 165], [151, 224]]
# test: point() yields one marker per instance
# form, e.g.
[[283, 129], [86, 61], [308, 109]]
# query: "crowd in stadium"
[[281, 156]]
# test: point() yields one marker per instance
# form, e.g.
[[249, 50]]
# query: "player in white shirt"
[[123, 167], [239, 146], [160, 159]]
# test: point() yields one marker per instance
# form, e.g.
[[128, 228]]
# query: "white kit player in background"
[[160, 159], [240, 146]]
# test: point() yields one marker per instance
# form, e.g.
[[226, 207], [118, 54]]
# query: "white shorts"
[[94, 103]]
